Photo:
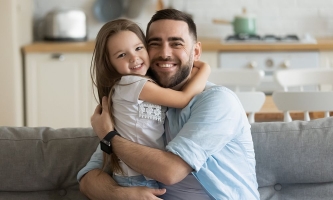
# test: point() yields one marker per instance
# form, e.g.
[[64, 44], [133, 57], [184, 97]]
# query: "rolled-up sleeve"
[[95, 162], [214, 119]]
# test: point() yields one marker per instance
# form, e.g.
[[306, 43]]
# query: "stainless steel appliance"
[[65, 25]]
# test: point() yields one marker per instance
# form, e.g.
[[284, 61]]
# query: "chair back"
[[251, 102], [319, 101], [238, 79], [307, 90], [320, 78]]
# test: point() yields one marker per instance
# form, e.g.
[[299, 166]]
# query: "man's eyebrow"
[[154, 39], [170, 39], [175, 39]]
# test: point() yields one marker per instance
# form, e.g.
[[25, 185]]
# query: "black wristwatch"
[[106, 142]]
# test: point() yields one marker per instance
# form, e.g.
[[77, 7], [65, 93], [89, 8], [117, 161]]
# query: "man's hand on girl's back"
[[101, 119]]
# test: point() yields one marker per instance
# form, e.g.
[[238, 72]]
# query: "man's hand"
[[143, 193], [99, 185], [101, 119]]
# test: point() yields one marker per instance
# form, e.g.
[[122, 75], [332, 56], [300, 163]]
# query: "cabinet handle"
[[58, 56], [253, 65], [286, 64]]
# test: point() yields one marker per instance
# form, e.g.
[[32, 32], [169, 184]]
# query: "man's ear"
[[197, 51]]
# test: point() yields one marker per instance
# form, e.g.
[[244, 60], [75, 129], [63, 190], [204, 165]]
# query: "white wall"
[[16, 30], [273, 16]]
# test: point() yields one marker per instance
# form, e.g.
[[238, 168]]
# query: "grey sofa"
[[294, 160]]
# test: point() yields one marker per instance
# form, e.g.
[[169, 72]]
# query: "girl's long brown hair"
[[103, 74]]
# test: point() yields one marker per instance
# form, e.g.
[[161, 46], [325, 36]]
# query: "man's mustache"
[[168, 59]]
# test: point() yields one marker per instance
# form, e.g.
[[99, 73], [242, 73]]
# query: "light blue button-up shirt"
[[212, 134]]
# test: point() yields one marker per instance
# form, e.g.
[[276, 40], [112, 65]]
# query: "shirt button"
[[62, 192], [278, 187]]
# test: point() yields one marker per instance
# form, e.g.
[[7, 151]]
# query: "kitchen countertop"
[[45, 47], [217, 45], [208, 44]]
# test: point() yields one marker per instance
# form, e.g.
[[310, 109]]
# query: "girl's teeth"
[[136, 66]]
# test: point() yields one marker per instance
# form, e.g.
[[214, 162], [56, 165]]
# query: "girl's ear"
[[197, 51]]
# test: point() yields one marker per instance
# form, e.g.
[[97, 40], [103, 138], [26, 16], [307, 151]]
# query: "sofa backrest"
[[294, 160], [42, 163]]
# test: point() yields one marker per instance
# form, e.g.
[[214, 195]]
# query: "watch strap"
[[110, 135]]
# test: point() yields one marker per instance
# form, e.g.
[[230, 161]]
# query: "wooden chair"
[[314, 91], [237, 79]]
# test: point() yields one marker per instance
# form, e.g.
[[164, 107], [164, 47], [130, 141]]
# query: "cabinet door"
[[58, 90]]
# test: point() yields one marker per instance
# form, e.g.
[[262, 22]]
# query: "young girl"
[[120, 64]]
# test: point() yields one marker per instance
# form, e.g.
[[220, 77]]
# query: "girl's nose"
[[133, 58]]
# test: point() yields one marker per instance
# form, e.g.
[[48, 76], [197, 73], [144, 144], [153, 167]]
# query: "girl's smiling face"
[[127, 53]]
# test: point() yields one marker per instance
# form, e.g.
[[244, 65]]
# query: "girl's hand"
[[197, 65], [194, 70]]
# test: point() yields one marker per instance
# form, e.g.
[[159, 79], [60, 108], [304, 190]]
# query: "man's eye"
[[121, 55], [177, 44], [152, 44]]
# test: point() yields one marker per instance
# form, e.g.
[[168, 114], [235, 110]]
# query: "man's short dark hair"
[[174, 14]]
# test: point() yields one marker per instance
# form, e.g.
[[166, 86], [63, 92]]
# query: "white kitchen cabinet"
[[58, 90], [269, 62]]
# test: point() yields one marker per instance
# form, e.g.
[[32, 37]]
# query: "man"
[[209, 154]]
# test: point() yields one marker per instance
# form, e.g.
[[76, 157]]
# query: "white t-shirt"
[[136, 120]]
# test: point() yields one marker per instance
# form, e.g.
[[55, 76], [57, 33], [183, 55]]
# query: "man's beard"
[[176, 79]]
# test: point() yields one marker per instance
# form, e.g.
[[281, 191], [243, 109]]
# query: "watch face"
[[105, 147], [106, 142]]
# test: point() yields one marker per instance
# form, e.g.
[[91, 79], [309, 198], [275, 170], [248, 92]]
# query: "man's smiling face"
[[172, 51]]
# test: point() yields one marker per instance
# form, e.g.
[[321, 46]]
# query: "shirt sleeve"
[[130, 87], [216, 117], [95, 162]]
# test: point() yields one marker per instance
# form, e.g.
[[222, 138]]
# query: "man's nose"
[[165, 51]]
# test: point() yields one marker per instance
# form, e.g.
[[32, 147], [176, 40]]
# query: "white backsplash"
[[279, 17]]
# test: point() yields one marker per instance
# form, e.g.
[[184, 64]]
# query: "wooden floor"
[[269, 112]]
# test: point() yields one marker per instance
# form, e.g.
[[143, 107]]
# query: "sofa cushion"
[[294, 160], [43, 159]]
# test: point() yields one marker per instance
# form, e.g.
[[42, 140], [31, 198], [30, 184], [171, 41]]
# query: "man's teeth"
[[166, 65]]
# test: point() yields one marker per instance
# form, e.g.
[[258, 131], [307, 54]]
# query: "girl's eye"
[[121, 55], [139, 48]]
